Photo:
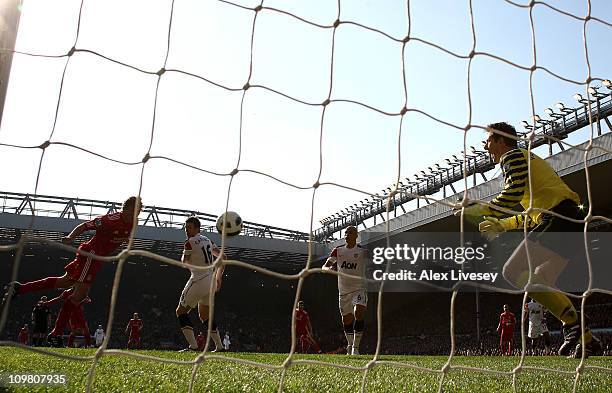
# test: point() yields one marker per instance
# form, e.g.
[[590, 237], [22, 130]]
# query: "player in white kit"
[[350, 259], [537, 324], [198, 251], [226, 341], [99, 336]]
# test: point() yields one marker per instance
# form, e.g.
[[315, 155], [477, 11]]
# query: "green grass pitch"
[[119, 373]]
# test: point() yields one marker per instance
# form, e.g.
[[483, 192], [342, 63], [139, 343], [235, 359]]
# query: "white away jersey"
[[200, 249], [350, 261], [99, 335], [535, 312]]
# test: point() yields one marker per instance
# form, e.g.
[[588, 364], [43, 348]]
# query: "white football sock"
[[349, 338], [188, 333], [216, 338], [357, 340]]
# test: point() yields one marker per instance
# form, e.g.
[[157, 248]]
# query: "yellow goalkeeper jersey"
[[548, 190]]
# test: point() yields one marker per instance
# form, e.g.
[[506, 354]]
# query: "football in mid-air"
[[229, 223]]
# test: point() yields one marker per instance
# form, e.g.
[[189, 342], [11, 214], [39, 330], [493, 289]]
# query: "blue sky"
[[108, 108]]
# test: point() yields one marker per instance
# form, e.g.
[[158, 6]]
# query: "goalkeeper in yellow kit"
[[548, 192]]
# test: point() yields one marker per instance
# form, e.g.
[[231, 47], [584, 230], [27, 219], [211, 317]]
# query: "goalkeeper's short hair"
[[508, 130]]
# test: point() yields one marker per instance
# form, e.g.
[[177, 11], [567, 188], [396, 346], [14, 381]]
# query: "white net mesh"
[[257, 14]]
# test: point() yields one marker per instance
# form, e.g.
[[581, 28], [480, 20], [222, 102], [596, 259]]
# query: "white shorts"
[[536, 330], [197, 291], [350, 300]]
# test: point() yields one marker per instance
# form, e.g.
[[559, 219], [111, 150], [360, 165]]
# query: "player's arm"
[[127, 328], [216, 252], [187, 249], [332, 262], [79, 229], [91, 225], [53, 301], [514, 168]]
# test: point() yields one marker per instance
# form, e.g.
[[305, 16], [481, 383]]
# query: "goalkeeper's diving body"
[[548, 192]]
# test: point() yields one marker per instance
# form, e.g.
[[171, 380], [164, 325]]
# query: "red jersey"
[[23, 336], [301, 320], [507, 321], [111, 232], [134, 326]]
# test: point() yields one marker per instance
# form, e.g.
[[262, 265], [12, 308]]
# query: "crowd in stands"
[[255, 309]]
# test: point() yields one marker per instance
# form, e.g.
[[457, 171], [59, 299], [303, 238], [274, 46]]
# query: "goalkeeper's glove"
[[490, 228]]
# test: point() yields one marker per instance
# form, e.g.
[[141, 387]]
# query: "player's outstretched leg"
[[557, 303]]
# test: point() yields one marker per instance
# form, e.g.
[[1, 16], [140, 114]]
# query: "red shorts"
[[507, 336], [134, 338], [77, 320], [83, 268]]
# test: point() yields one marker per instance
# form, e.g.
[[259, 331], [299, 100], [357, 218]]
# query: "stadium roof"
[[160, 229]]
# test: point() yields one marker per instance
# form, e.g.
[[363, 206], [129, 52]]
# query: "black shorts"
[[551, 223], [566, 239], [558, 234]]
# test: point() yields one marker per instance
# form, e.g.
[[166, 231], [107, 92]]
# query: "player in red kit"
[[111, 231], [24, 335], [507, 321], [200, 341], [133, 328], [303, 330], [77, 323]]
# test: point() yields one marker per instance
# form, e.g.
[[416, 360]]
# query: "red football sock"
[[316, 346], [63, 317], [71, 340], [87, 338], [39, 285]]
